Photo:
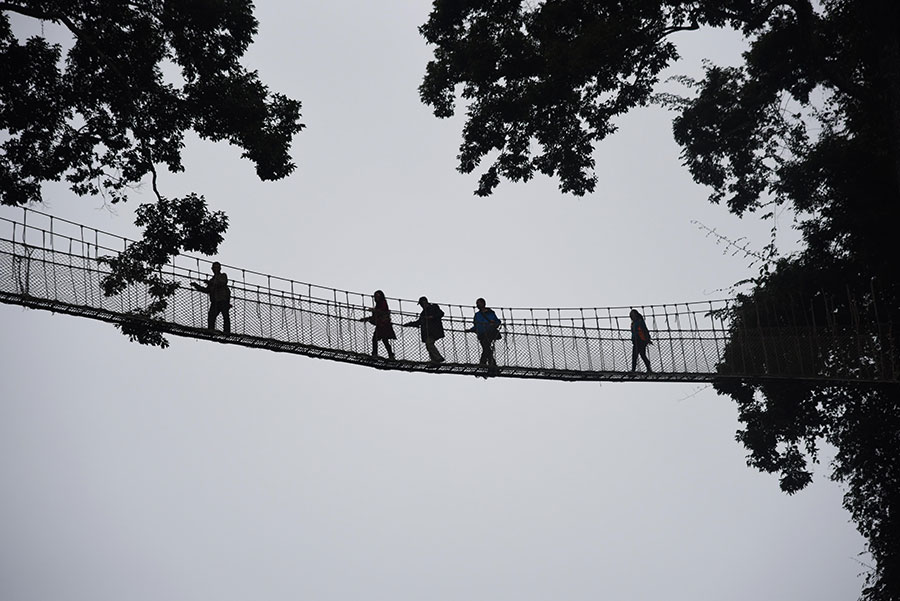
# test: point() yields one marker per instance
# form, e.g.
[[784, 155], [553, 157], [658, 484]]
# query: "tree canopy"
[[809, 120], [114, 108]]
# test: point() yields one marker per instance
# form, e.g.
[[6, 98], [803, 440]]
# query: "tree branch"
[[155, 189], [42, 16], [28, 12], [675, 29]]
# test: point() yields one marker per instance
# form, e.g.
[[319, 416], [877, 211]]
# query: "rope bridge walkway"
[[54, 264]]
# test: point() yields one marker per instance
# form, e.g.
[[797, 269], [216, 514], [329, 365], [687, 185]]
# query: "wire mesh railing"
[[48, 262]]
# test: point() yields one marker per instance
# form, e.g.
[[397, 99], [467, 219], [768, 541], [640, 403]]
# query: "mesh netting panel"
[[66, 271]]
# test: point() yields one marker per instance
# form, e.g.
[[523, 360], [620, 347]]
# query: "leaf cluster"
[[543, 82], [785, 424], [137, 77], [170, 227]]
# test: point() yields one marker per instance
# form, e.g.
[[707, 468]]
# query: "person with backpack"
[[219, 298], [487, 328], [640, 338], [431, 328]]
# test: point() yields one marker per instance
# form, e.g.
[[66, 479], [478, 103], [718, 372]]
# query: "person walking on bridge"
[[431, 327], [487, 328], [219, 298], [640, 338], [381, 319]]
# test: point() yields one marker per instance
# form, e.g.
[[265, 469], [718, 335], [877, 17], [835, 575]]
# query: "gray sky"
[[213, 472]]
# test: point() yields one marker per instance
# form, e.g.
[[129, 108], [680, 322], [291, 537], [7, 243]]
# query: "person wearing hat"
[[431, 328], [219, 298]]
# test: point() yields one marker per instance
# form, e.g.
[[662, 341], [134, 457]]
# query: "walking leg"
[[485, 351], [646, 360], [433, 353]]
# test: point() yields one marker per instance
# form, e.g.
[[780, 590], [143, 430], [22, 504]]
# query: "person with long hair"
[[640, 338], [381, 319]]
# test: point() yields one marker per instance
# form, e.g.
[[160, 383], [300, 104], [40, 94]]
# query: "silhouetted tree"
[[108, 112], [811, 119]]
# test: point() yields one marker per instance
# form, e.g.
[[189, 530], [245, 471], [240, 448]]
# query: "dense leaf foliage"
[[115, 107], [810, 119], [554, 73], [137, 78], [170, 226], [785, 423]]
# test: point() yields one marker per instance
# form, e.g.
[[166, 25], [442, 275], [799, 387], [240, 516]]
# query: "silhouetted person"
[[640, 338], [381, 319], [487, 327], [431, 327], [219, 297]]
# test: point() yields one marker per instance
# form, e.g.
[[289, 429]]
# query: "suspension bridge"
[[58, 265]]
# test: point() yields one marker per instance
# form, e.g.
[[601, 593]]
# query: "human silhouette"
[[487, 328], [431, 328], [219, 298], [381, 319], [640, 338]]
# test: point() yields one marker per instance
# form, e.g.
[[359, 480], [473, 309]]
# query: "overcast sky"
[[208, 471]]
